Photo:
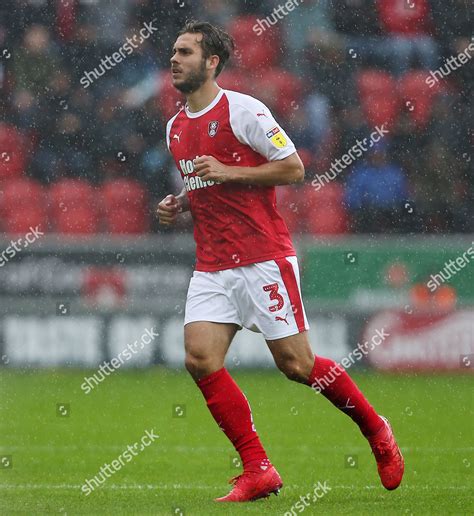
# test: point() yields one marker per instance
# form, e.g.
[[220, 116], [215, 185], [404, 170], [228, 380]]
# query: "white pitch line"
[[108, 486], [202, 487], [107, 447], [403, 487], [204, 449]]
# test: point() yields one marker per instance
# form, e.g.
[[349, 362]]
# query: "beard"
[[194, 81]]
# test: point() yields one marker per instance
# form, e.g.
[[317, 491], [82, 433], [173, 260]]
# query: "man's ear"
[[213, 62]]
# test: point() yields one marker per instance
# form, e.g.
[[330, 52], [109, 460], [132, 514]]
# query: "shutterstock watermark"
[[107, 470], [17, 246], [107, 368], [109, 62], [320, 490], [451, 268], [278, 14], [357, 151], [354, 356], [451, 65]]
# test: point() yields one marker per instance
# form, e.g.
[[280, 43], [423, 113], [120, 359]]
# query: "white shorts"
[[263, 297]]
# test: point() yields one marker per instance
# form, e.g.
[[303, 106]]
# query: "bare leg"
[[206, 346], [293, 356]]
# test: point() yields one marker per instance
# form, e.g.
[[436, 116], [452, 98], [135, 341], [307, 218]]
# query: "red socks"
[[332, 381], [232, 413]]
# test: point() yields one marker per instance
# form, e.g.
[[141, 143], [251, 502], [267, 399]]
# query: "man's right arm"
[[183, 201], [171, 206]]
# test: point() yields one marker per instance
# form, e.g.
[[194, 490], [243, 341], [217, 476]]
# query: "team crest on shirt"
[[277, 138], [213, 128]]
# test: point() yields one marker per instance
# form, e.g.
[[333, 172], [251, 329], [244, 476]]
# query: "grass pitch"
[[47, 452]]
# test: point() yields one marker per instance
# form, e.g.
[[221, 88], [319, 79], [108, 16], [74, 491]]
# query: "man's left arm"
[[253, 125], [285, 171]]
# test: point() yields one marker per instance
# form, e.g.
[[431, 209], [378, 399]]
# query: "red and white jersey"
[[234, 224]]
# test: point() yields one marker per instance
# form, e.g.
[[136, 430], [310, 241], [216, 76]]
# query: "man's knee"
[[193, 359], [206, 345], [295, 368], [195, 363], [200, 363], [190, 363]]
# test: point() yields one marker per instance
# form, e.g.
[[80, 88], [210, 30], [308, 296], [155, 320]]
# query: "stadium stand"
[[352, 68]]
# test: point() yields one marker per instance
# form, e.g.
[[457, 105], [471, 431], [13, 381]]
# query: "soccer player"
[[231, 154]]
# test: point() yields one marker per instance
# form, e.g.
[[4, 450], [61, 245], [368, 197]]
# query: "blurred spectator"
[[408, 26], [375, 193], [356, 17], [309, 23], [83, 53], [18, 15], [138, 66], [13, 148], [318, 109], [358, 24], [391, 33], [111, 18], [36, 60], [219, 13], [439, 172], [170, 16]]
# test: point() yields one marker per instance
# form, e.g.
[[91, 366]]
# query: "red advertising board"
[[423, 342]]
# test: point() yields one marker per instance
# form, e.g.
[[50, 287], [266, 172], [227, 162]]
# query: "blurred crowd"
[[332, 71]]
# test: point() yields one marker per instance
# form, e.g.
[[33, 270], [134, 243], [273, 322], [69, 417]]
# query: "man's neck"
[[201, 98]]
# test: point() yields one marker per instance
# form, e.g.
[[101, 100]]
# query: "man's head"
[[199, 54]]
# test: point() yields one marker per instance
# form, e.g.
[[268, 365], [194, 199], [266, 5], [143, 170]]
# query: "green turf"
[[307, 439]]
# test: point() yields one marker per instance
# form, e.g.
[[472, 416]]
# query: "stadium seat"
[[12, 152], [325, 211], [73, 205], [280, 90], [253, 51], [400, 17], [21, 192], [378, 96], [253, 56], [372, 82], [417, 96], [22, 206], [381, 110], [81, 220], [241, 28], [235, 80], [125, 207], [22, 222]]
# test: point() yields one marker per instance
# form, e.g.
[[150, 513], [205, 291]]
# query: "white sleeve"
[[169, 125], [254, 125]]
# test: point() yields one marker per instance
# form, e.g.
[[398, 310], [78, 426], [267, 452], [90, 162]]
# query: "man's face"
[[188, 67]]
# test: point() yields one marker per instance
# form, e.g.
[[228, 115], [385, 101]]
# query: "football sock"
[[231, 410], [332, 381]]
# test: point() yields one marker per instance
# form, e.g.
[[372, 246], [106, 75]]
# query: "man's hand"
[[209, 169], [168, 210]]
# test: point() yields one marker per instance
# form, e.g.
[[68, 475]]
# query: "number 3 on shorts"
[[274, 296]]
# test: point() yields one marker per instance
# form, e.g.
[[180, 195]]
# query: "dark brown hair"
[[215, 41]]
